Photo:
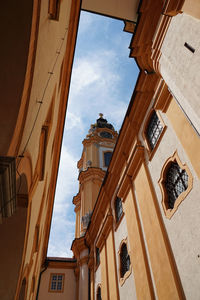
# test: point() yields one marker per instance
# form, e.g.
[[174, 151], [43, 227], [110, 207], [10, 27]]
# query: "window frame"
[[97, 257], [50, 282], [104, 161], [98, 288], [54, 9], [128, 272], [118, 220], [151, 151], [169, 212]]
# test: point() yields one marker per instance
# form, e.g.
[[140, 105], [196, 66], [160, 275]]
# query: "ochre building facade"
[[137, 219]]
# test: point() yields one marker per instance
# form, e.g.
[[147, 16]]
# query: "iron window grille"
[[118, 209], [56, 282], [97, 256], [124, 260], [99, 293], [176, 182], [154, 130]]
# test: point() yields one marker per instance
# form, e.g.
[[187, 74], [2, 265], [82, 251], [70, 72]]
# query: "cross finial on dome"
[[100, 115]]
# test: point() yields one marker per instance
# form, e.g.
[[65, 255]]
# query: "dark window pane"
[[99, 293], [107, 158], [97, 256], [118, 209], [176, 182], [124, 260], [154, 130]]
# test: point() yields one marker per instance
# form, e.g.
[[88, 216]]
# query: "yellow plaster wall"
[[77, 231], [104, 274], [167, 286], [69, 292], [112, 275], [192, 7], [186, 134], [87, 203], [115, 8], [137, 253], [51, 35], [95, 156]]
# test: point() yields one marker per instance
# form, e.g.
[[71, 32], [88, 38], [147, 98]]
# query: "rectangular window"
[[56, 283], [154, 130], [54, 7], [107, 158]]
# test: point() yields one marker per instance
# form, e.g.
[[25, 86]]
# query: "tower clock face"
[[105, 134]]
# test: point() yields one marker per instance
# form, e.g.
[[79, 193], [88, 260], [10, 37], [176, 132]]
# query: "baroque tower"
[[97, 151]]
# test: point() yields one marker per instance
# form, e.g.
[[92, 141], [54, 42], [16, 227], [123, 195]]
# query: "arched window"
[[107, 158], [153, 130], [124, 260], [99, 293], [118, 209], [176, 182]]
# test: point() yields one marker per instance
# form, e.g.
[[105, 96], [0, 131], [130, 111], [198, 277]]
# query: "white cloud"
[[63, 221], [73, 121], [85, 73], [67, 172]]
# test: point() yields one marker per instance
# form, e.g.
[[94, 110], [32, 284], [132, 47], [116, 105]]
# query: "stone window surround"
[[128, 273], [150, 151], [168, 211]]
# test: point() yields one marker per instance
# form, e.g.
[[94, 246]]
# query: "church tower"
[[97, 151]]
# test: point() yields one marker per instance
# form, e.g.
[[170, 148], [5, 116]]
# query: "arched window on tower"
[[107, 158]]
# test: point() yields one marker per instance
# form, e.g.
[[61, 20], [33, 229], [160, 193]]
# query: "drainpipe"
[[45, 267]]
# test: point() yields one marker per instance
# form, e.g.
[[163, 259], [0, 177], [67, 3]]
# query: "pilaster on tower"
[[97, 151]]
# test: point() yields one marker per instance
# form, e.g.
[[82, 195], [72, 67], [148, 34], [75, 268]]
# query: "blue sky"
[[103, 79]]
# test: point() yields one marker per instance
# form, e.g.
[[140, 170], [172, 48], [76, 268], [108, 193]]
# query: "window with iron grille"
[[154, 130], [99, 293], [97, 256], [118, 209], [124, 260], [57, 282], [176, 182]]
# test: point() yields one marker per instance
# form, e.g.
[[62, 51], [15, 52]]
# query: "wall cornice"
[[91, 173], [78, 245], [153, 21], [107, 226]]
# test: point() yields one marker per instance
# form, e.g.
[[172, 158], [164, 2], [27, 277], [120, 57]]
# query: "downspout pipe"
[[46, 263]]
